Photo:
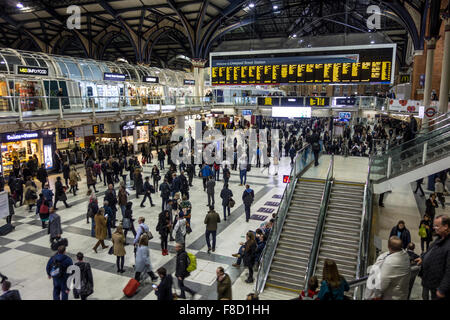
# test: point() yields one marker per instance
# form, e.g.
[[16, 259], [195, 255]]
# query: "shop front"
[[23, 145]]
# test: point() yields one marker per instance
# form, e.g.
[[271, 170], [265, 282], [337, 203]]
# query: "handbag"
[[111, 250], [148, 233], [231, 203], [126, 223]]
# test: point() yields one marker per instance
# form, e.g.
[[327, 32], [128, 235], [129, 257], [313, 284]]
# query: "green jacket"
[[211, 220]]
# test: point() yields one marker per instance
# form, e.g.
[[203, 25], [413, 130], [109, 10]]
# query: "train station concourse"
[[192, 151]]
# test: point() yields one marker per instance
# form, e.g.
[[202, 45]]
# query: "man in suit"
[[9, 294]]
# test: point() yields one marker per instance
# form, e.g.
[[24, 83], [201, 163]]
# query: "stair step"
[[337, 235], [333, 222], [344, 213], [344, 220]]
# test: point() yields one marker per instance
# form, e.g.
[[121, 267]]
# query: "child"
[[313, 293]]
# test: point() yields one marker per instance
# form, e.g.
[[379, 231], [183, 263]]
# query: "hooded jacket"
[[248, 196]]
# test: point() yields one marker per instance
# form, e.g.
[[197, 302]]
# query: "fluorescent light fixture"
[[294, 36], [19, 5], [251, 5], [372, 41], [275, 7], [292, 100]]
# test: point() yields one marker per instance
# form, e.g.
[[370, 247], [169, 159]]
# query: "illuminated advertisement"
[[48, 156]]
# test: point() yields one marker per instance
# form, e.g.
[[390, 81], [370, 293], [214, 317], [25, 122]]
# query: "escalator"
[[427, 154], [292, 254], [341, 234]]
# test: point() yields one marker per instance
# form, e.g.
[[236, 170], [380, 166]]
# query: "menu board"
[[359, 64]]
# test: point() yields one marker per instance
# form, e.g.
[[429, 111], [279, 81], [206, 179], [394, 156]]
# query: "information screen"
[[291, 112], [354, 64]]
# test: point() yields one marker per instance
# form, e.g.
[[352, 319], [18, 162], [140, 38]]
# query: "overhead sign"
[[62, 133], [345, 64], [405, 78], [349, 101], [188, 82], [114, 76], [32, 70], [345, 115], [430, 112], [151, 79], [317, 101], [246, 112], [98, 128], [22, 136]]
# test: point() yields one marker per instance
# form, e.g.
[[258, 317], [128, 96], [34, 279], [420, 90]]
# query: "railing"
[[364, 234], [303, 159], [407, 157], [313, 257], [436, 122]]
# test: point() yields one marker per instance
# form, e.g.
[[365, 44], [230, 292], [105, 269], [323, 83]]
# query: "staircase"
[[341, 232], [288, 268]]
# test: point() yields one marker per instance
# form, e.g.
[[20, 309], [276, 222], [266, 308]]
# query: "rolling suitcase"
[[131, 288]]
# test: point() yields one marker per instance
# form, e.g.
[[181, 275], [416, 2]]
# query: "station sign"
[[188, 82], [107, 76], [151, 79], [317, 101], [98, 128], [39, 71], [350, 101]]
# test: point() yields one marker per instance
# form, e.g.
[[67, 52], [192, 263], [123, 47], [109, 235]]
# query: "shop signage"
[[246, 112], [113, 76], [32, 70], [22, 136], [151, 79], [141, 123], [188, 82], [405, 78], [98, 128], [155, 122]]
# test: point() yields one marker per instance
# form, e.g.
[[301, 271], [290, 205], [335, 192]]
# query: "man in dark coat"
[[60, 194], [42, 175], [181, 273], [400, 231], [66, 173], [110, 196], [184, 185], [9, 294], [436, 263], [247, 197], [165, 193], [148, 188]]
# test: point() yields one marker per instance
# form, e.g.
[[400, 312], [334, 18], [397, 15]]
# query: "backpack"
[[148, 233], [56, 270], [30, 195], [43, 209], [192, 262]]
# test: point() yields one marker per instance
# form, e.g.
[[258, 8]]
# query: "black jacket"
[[165, 289], [436, 266], [431, 208], [42, 175], [405, 236], [248, 197], [165, 190], [11, 295], [249, 255], [226, 195], [182, 264]]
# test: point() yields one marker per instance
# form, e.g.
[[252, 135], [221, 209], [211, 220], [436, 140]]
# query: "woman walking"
[[163, 227], [249, 255], [43, 209], [333, 284], [156, 177], [128, 221], [73, 180], [91, 180], [30, 195], [122, 197], [143, 263], [118, 240], [100, 229]]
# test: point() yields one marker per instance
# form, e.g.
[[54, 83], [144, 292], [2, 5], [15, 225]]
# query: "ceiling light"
[[275, 7], [251, 5], [372, 41], [19, 5], [294, 36]]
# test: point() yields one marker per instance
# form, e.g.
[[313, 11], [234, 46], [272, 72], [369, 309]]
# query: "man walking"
[[181, 270], [419, 186], [435, 263], [206, 172], [148, 190], [212, 218], [223, 285], [210, 191], [57, 269], [248, 197], [165, 193]]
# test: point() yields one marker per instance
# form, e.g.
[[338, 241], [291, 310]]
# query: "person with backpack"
[[142, 229], [57, 270], [165, 193], [226, 194], [148, 190], [313, 293], [182, 264], [425, 232], [143, 263], [87, 280], [43, 210], [30, 195], [48, 194], [226, 174], [333, 284]]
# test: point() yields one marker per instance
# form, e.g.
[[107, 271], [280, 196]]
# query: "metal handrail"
[[363, 242], [313, 258], [286, 198], [442, 115]]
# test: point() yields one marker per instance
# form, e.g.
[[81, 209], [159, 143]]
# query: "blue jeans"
[[92, 227], [241, 252], [217, 174], [161, 164], [207, 235], [247, 212], [59, 289], [225, 212], [243, 175], [123, 208]]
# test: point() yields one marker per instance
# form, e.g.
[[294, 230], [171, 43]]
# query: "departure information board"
[[355, 64]]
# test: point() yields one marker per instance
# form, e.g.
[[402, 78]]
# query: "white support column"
[[431, 46], [197, 84], [389, 166], [135, 144], [445, 77]]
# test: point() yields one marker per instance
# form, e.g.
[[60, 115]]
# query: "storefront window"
[[20, 151]]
